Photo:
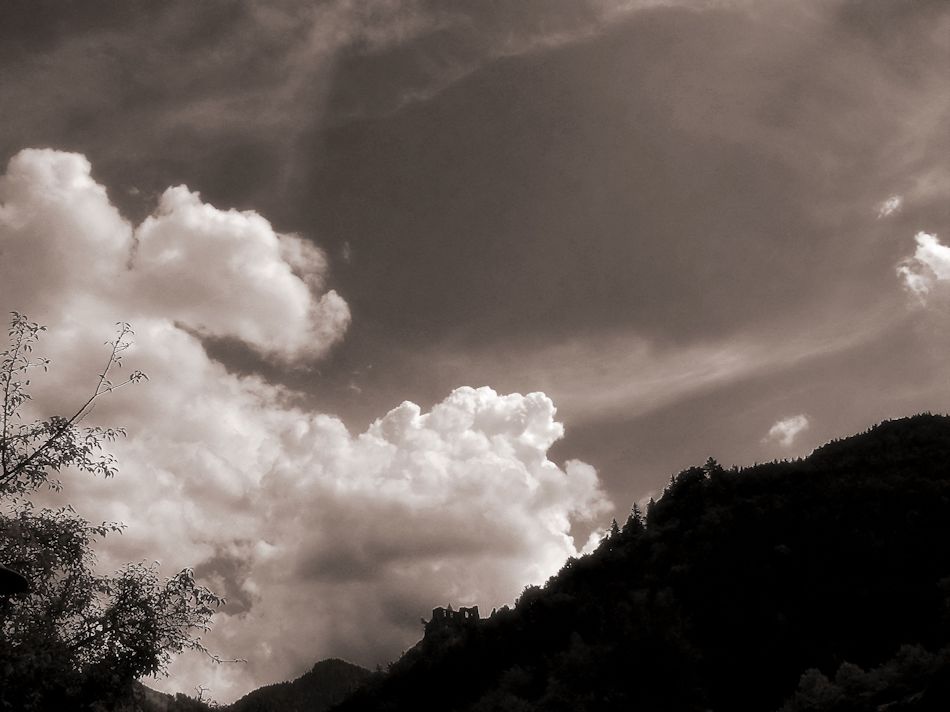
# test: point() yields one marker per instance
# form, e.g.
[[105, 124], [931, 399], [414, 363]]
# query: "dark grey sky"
[[670, 217]]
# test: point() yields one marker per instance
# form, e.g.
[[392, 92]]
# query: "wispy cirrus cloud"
[[630, 375], [136, 56]]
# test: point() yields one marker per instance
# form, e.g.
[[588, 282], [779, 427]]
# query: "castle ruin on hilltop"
[[449, 619]]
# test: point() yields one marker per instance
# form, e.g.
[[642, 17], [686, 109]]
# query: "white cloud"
[[786, 430], [890, 206], [227, 273], [929, 265], [326, 542], [220, 273]]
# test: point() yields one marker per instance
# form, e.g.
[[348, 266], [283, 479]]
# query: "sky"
[[428, 292]]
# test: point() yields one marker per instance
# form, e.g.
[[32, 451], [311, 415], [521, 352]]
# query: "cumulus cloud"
[[929, 265], [786, 430], [216, 272], [326, 542], [253, 293]]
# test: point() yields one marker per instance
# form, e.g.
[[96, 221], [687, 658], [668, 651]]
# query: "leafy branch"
[[28, 452]]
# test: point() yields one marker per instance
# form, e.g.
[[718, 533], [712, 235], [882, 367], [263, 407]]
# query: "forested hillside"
[[818, 584], [324, 685], [327, 683]]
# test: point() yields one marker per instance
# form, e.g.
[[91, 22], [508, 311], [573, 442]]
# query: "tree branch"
[[117, 346]]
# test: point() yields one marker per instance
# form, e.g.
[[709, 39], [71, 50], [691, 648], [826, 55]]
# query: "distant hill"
[[144, 699], [327, 683], [821, 584]]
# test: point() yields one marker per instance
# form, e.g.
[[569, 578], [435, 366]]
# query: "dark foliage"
[[72, 638], [78, 640], [820, 584]]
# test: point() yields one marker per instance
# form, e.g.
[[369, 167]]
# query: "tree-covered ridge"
[[789, 583], [326, 684]]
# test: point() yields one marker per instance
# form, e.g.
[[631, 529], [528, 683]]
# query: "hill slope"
[[793, 583], [326, 684]]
